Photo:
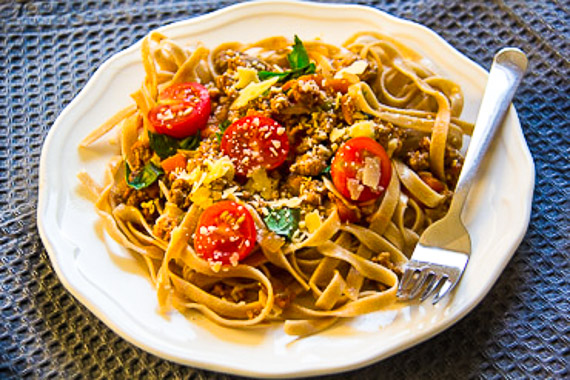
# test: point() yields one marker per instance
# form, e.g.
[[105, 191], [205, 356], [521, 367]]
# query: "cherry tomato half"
[[182, 110], [225, 233], [361, 169], [255, 141]]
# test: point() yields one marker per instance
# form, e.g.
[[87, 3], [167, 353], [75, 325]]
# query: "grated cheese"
[[261, 183], [202, 196], [218, 169]]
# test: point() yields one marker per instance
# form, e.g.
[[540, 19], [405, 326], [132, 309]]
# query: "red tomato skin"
[[255, 141], [216, 246], [350, 155], [178, 98]]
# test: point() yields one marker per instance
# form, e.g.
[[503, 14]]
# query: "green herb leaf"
[[263, 75], [299, 62], [165, 146], [298, 58], [284, 221], [223, 126], [326, 172], [190, 142], [145, 177]]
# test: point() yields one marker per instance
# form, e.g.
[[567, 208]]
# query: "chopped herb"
[[144, 178], [299, 62], [223, 126], [284, 221], [165, 146]]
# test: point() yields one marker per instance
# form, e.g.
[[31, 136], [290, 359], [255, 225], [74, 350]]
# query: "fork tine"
[[405, 282], [415, 290], [432, 286], [445, 288]]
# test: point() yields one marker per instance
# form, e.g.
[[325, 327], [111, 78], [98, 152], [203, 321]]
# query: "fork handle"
[[506, 73]]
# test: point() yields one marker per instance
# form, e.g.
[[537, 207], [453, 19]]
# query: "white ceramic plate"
[[106, 278]]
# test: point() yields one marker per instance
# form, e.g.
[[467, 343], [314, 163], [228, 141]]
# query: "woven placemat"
[[48, 50]]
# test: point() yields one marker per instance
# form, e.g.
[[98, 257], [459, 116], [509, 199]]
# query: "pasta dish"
[[282, 180]]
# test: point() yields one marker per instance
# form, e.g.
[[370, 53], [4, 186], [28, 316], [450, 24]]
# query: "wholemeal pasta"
[[288, 183]]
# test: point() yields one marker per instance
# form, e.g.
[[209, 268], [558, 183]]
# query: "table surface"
[[48, 50]]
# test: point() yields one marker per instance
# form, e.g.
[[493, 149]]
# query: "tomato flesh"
[[255, 141], [225, 233], [182, 110], [170, 164], [355, 163]]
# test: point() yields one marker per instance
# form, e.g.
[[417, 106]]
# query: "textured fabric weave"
[[48, 50]]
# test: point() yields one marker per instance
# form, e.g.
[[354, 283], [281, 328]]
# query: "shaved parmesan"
[[356, 68], [337, 133], [355, 188], [245, 77], [362, 129], [252, 91], [371, 172], [313, 221]]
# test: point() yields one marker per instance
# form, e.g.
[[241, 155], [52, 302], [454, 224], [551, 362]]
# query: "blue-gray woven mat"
[[48, 50]]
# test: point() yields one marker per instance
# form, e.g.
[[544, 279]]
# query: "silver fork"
[[443, 250]]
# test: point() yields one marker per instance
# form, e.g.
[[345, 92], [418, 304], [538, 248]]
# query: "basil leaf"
[[190, 142], [263, 75], [165, 146], [223, 126], [289, 74], [299, 62], [284, 221], [298, 58], [144, 178]]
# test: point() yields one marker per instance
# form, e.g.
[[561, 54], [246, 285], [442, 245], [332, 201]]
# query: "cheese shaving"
[[252, 91], [246, 76]]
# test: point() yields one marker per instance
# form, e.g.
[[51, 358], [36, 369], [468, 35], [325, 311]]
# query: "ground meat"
[[292, 185], [418, 160], [279, 102], [390, 137], [164, 226], [383, 259], [313, 162], [307, 93], [230, 60], [453, 165], [179, 192], [138, 198], [141, 155], [312, 191], [348, 108]]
